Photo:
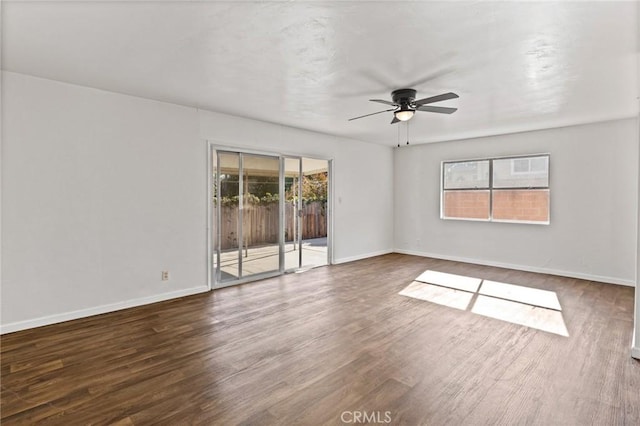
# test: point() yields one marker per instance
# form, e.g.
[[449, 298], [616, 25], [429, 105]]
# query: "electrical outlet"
[[165, 275]]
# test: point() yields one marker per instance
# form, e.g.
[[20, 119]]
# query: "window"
[[513, 189], [529, 165]]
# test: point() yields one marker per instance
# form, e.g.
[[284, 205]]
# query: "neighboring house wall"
[[102, 191], [594, 187]]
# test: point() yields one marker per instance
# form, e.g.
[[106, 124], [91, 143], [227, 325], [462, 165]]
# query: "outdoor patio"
[[265, 258]]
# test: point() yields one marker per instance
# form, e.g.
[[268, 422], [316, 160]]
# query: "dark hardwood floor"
[[327, 346]]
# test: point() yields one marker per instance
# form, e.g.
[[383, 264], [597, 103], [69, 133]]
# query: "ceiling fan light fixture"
[[404, 114], [405, 105]]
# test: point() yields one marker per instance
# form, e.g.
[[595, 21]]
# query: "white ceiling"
[[313, 65]]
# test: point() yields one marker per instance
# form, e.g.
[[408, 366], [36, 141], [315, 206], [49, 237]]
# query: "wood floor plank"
[[306, 348]]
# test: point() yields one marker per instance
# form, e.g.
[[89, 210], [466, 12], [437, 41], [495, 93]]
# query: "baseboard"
[[362, 256], [83, 313], [578, 275], [635, 348]]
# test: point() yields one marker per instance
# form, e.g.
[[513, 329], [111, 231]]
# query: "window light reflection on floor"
[[530, 307], [543, 319], [438, 294], [518, 293], [458, 282]]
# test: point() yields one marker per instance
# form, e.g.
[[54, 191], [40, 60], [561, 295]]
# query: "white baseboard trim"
[[362, 256], [635, 349], [540, 270], [83, 313]]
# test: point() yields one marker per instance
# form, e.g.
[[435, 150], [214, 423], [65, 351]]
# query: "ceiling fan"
[[405, 105]]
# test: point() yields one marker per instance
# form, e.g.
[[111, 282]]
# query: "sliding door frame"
[[296, 213], [213, 276]]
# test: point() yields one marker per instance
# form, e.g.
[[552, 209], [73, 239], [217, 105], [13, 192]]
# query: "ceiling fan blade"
[[441, 110], [382, 101], [373, 113], [438, 98], [395, 120]]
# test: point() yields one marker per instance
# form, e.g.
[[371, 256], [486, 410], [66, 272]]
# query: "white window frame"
[[491, 187]]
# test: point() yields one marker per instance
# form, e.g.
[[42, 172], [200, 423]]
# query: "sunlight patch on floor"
[[536, 317], [518, 293], [458, 282], [437, 294], [526, 306]]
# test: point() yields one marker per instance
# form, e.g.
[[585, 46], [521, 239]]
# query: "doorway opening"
[[269, 214]]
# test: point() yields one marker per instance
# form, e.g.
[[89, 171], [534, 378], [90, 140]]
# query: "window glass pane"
[[468, 174], [466, 204], [260, 214], [524, 172], [228, 204], [528, 205]]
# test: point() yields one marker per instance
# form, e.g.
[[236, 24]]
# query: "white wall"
[[635, 343], [594, 189], [1, 161], [362, 172], [102, 191]]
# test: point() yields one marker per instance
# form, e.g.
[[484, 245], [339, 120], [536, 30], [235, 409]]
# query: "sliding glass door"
[[306, 219], [260, 211], [228, 207], [269, 214], [247, 214]]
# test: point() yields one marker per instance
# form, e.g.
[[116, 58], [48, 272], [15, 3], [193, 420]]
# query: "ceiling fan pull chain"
[[407, 133]]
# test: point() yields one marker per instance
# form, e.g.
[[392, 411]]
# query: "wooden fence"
[[260, 223]]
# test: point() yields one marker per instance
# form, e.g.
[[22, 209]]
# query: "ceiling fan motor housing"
[[403, 97]]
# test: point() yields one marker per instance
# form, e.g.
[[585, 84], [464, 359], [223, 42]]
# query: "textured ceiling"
[[313, 65]]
